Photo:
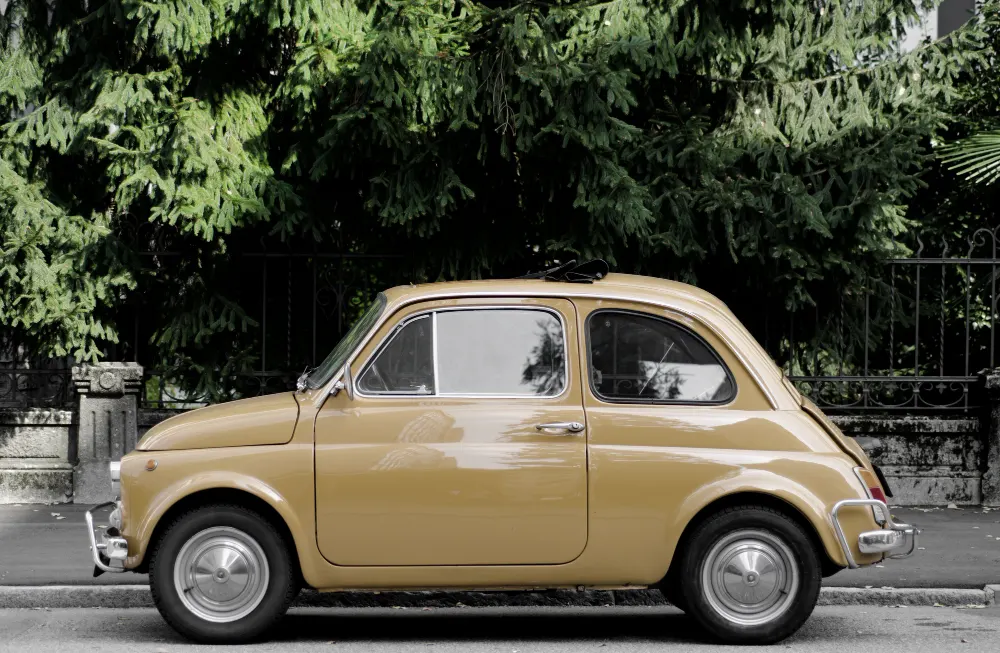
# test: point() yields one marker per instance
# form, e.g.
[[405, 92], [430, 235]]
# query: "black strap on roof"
[[573, 272]]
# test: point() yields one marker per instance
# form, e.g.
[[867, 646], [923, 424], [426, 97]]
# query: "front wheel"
[[750, 575], [222, 574]]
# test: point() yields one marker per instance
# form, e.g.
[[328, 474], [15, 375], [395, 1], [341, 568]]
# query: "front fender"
[[280, 476]]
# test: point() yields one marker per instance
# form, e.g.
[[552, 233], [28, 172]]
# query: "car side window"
[[508, 352], [405, 364], [641, 358]]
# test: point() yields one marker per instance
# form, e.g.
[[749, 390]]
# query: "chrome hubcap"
[[750, 577], [221, 574]]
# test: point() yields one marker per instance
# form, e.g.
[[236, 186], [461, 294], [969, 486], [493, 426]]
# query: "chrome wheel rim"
[[221, 574], [750, 577]]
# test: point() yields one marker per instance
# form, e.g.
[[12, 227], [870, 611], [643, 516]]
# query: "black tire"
[[708, 597], [274, 595], [672, 591]]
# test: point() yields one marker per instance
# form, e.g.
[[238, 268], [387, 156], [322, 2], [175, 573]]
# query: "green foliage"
[[951, 204], [976, 156], [53, 271], [762, 150]]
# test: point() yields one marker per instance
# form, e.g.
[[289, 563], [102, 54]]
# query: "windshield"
[[347, 344]]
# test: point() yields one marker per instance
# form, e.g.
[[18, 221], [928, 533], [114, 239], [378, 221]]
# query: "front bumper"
[[893, 540], [109, 549]]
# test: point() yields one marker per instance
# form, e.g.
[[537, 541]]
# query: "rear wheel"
[[750, 574], [222, 574]]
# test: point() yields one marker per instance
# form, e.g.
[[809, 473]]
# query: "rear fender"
[[813, 509]]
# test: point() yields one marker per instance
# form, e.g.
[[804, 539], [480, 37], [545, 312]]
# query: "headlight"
[[116, 477]]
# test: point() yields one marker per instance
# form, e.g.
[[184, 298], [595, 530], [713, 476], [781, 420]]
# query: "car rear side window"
[[502, 352], [636, 357]]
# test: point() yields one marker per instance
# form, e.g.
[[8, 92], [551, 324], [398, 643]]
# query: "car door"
[[464, 442]]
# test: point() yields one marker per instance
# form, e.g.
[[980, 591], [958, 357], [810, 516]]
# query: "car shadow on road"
[[462, 625], [661, 625], [378, 625]]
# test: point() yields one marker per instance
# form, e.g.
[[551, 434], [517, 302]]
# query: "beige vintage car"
[[509, 434]]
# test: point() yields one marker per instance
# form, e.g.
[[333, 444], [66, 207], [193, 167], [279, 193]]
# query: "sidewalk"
[[959, 549]]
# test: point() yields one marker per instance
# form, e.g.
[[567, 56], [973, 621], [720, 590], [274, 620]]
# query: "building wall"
[[939, 21], [952, 14]]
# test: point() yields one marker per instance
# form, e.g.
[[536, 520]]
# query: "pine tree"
[[762, 150]]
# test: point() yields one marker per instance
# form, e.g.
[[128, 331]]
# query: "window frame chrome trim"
[[655, 402], [434, 349], [324, 391], [433, 312]]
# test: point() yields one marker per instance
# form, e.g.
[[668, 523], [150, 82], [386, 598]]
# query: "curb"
[[138, 596], [903, 596]]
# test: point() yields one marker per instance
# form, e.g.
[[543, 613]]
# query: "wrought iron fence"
[[24, 387], [26, 380], [914, 339], [299, 304]]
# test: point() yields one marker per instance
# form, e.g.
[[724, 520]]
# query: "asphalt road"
[[47, 545], [507, 630]]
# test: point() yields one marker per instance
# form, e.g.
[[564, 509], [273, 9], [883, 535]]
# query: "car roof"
[[615, 285], [682, 297]]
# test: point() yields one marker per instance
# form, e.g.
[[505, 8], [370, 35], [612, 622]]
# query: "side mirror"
[[346, 383]]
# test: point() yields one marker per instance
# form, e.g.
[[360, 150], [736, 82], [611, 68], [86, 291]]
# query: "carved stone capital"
[[107, 379]]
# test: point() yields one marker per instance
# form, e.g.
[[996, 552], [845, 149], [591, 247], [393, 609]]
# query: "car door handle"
[[565, 427]]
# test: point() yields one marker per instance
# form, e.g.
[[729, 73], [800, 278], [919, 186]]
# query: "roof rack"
[[573, 272]]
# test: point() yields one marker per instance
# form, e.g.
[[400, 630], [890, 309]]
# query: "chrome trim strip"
[[434, 351], [387, 315], [906, 529], [96, 548], [433, 312]]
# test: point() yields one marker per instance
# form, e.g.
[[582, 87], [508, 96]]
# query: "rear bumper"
[[893, 540]]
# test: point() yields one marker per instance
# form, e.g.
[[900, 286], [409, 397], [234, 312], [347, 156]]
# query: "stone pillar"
[[107, 396], [991, 473]]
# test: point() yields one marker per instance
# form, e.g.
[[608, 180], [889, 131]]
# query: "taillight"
[[874, 490]]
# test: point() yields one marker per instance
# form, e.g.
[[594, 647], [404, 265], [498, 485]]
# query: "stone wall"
[[36, 454], [926, 460], [39, 453]]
